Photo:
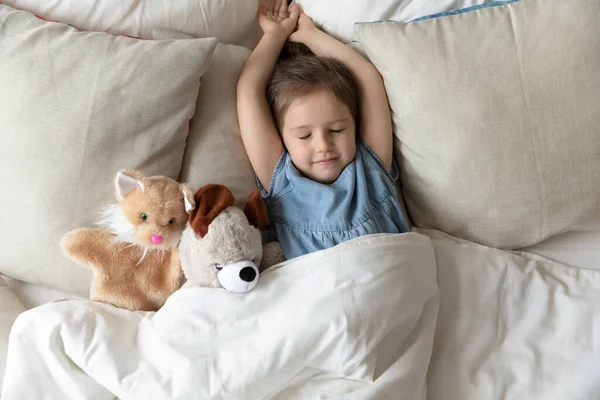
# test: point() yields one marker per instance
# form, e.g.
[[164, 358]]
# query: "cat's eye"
[[144, 216], [171, 221], [218, 266]]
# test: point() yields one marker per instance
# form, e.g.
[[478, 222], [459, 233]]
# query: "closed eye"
[[305, 137], [335, 130]]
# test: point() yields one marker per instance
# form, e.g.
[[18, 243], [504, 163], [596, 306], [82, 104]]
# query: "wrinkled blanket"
[[356, 321], [413, 316]]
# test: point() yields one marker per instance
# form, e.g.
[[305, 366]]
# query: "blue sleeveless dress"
[[308, 216]]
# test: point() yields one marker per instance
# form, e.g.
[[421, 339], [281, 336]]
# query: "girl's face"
[[319, 134]]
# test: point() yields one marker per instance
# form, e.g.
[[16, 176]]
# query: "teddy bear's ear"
[[210, 201], [126, 181], [256, 211]]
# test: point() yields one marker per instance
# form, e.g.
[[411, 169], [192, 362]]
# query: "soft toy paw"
[[272, 254]]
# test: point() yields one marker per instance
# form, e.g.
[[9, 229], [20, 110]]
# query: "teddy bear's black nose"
[[247, 274]]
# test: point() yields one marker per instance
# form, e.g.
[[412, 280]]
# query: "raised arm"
[[375, 119], [259, 133]]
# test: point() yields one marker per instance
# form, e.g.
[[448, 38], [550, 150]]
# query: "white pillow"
[[75, 107], [337, 17], [230, 21], [496, 112], [10, 308]]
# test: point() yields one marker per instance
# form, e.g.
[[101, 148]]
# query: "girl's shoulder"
[[366, 158], [281, 184]]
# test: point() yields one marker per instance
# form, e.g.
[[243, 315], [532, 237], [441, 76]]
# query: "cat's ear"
[[188, 197], [127, 180]]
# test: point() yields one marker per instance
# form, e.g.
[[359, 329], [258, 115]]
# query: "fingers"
[[262, 8], [265, 7], [283, 8], [295, 11]]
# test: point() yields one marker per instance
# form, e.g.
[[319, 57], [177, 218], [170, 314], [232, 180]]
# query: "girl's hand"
[[274, 16], [304, 29]]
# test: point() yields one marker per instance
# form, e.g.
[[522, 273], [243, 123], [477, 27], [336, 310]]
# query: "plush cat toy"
[[133, 254], [221, 246]]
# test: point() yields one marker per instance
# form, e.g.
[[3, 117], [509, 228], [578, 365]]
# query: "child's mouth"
[[328, 161]]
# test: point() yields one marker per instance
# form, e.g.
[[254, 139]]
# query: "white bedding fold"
[[513, 326], [357, 319]]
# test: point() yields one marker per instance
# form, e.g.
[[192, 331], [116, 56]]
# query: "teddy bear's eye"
[[218, 266], [171, 221], [144, 216]]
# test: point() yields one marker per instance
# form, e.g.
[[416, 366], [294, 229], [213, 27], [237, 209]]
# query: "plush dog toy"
[[133, 254], [222, 245]]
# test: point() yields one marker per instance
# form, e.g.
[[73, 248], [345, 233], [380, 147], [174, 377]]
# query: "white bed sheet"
[[513, 326]]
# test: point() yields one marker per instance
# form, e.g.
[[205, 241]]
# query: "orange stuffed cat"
[[133, 256]]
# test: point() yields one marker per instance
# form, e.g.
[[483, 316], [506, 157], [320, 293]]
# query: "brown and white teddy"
[[221, 246], [133, 253]]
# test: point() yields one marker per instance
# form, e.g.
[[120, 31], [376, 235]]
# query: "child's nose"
[[323, 144]]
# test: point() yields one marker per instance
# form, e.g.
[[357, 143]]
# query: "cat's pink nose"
[[156, 239]]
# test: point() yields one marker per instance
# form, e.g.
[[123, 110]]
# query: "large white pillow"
[[497, 112], [230, 21], [337, 17], [75, 107]]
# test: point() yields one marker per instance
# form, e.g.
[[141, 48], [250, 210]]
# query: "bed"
[[495, 294]]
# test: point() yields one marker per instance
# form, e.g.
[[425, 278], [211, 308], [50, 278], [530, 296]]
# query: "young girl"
[[323, 183]]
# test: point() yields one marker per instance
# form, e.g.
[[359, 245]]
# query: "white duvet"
[[358, 318], [513, 326], [358, 321]]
